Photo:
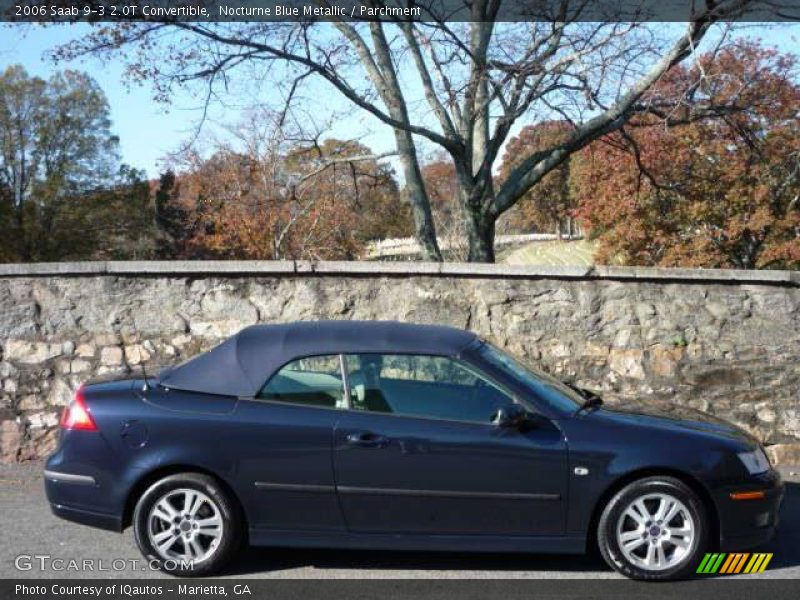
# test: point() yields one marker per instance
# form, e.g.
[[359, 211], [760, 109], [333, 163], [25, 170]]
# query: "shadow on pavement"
[[277, 559]]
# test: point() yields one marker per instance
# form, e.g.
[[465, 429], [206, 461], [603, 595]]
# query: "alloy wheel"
[[656, 532], [185, 524]]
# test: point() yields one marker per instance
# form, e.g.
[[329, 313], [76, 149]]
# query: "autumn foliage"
[[707, 176], [718, 192], [313, 202], [550, 205]]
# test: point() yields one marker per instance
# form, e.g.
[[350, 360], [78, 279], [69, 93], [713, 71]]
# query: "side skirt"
[[419, 542]]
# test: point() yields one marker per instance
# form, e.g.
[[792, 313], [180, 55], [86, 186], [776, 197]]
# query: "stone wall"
[[722, 341]]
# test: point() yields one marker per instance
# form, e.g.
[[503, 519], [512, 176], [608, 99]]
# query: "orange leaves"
[[310, 202], [549, 205], [716, 192]]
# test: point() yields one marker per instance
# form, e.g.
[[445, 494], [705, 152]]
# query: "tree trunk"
[[384, 78], [480, 227], [417, 196], [480, 234], [21, 245]]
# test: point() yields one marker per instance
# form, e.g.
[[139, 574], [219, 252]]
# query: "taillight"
[[77, 415]]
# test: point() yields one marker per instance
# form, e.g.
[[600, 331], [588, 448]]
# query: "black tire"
[[608, 543], [225, 547]]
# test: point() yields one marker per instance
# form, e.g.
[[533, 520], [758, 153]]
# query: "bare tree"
[[477, 79]]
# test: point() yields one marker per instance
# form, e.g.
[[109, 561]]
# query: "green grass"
[[578, 252]]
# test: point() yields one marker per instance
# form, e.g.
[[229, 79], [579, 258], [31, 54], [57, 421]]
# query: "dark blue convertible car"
[[396, 436]]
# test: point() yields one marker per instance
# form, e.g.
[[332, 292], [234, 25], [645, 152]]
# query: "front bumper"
[[748, 523]]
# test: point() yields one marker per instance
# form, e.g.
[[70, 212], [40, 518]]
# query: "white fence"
[[408, 246]]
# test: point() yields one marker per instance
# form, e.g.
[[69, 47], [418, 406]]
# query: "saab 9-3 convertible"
[[384, 435]]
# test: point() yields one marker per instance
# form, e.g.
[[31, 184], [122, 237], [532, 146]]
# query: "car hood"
[[666, 415]]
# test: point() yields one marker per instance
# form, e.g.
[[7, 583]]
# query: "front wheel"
[[654, 529], [187, 525]]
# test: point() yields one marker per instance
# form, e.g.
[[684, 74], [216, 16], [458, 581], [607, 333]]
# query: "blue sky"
[[149, 131]]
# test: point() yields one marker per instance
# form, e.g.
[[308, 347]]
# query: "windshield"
[[543, 386]]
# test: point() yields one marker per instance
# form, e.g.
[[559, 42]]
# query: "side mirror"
[[512, 415], [585, 392]]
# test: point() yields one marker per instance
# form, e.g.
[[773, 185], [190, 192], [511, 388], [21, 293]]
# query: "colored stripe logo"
[[734, 563]]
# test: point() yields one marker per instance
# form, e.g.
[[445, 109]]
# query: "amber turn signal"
[[747, 495]]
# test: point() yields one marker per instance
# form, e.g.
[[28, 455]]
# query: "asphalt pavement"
[[28, 531]]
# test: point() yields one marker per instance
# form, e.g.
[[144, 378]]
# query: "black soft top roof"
[[242, 364]]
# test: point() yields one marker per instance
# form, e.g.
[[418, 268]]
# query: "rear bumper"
[[85, 481], [749, 523], [78, 497], [59, 477], [87, 517]]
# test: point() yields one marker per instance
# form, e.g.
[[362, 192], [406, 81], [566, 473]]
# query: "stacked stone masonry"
[[720, 341]]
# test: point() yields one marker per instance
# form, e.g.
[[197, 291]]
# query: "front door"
[[283, 441], [418, 453]]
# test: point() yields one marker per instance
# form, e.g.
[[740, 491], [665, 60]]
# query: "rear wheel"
[[654, 528], [187, 524]]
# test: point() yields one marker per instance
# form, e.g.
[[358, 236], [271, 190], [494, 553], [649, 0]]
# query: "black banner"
[[200, 589], [399, 10]]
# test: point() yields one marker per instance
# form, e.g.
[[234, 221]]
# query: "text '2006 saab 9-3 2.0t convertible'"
[[396, 436]]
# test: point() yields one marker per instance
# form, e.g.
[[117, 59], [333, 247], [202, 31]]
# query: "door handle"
[[366, 439]]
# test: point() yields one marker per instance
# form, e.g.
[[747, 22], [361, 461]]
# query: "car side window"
[[421, 386], [313, 381]]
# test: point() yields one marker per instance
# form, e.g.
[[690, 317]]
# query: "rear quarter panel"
[[143, 434]]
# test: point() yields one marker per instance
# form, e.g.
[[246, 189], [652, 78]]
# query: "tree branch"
[[531, 170]]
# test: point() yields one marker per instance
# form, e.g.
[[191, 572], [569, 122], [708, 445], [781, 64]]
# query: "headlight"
[[755, 462]]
